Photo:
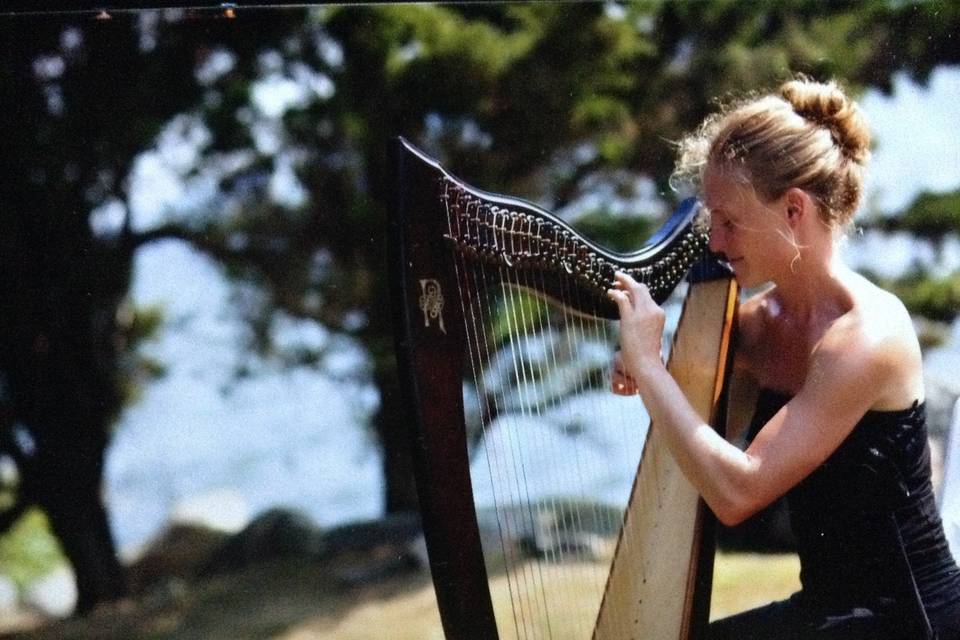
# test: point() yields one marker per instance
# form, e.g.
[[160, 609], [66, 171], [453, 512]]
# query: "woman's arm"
[[742, 387], [847, 374]]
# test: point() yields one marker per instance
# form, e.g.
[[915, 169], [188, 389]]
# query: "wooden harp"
[[504, 338]]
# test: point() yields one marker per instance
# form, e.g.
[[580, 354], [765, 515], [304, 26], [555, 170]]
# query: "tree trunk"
[[58, 355], [65, 402], [69, 491], [400, 492]]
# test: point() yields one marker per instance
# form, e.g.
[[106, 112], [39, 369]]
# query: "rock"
[[554, 535], [942, 381], [378, 569], [220, 510], [53, 595], [274, 534], [418, 551], [179, 553], [170, 592], [939, 405], [395, 529], [364, 552], [950, 497]]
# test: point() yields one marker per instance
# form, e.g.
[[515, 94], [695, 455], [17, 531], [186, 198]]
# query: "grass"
[[743, 581]]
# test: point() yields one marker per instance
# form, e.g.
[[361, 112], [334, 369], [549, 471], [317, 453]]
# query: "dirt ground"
[[297, 600]]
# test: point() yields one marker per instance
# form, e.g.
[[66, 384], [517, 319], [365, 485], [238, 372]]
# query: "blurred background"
[[200, 427]]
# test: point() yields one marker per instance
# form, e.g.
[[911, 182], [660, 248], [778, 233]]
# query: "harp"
[[504, 336]]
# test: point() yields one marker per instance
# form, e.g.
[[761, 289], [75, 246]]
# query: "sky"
[[916, 148], [917, 138]]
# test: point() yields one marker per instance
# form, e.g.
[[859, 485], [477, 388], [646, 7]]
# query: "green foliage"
[[425, 37], [516, 312], [144, 324], [933, 298], [29, 550], [138, 325], [931, 334], [504, 94], [618, 233], [931, 215]]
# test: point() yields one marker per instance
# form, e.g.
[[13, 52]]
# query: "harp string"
[[532, 410], [553, 554], [556, 518], [572, 513], [566, 518], [517, 511], [524, 381], [524, 400], [570, 323], [534, 599], [505, 458], [579, 322], [478, 358], [527, 413]]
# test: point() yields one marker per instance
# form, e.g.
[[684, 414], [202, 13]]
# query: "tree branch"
[[205, 241]]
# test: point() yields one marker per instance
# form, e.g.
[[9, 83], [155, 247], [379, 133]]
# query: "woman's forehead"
[[724, 190]]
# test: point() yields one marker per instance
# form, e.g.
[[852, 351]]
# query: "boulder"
[[942, 381], [950, 496], [364, 552], [276, 533], [218, 510], [178, 554]]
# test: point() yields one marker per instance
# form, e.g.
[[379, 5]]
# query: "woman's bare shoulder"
[[878, 318], [876, 338]]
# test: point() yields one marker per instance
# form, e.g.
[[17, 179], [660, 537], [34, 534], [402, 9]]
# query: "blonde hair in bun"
[[808, 135], [826, 105]]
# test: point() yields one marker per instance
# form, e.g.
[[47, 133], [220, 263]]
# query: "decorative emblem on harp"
[[431, 302], [527, 329]]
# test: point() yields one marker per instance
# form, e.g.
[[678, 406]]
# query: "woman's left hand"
[[641, 325]]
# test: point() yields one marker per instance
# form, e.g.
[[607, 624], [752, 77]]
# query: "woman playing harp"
[[839, 422]]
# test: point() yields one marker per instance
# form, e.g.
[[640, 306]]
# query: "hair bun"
[[826, 105]]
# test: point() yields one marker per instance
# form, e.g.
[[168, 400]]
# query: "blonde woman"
[[838, 426]]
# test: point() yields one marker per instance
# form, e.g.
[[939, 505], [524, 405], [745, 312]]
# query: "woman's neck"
[[815, 290]]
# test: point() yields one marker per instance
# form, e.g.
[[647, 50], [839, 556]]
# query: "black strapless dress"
[[874, 560]]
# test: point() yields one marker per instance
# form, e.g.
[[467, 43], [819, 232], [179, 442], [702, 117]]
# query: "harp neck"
[[515, 236]]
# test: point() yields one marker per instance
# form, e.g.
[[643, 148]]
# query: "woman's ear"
[[798, 204]]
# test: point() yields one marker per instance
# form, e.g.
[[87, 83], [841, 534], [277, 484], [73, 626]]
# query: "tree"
[[76, 114], [933, 217], [540, 100]]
